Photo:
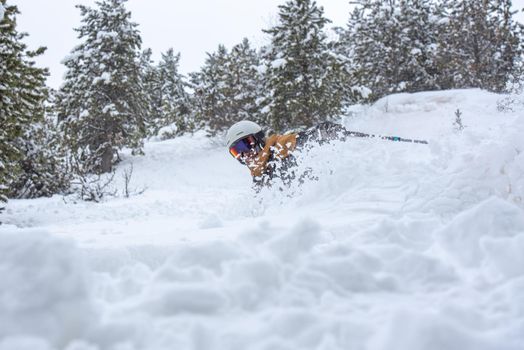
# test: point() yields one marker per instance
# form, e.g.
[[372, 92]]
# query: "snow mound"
[[493, 231], [44, 290]]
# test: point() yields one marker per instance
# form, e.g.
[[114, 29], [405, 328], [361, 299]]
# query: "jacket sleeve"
[[321, 133], [276, 147], [277, 161]]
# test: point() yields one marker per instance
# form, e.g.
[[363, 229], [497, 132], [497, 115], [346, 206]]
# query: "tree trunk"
[[106, 164]]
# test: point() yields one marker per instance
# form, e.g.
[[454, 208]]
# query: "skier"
[[271, 157]]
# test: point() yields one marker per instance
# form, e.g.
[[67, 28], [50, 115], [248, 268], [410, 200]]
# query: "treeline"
[[114, 95], [416, 45]]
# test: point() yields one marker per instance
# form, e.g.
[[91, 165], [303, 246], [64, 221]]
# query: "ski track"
[[396, 246]]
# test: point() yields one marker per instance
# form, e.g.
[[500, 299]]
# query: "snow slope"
[[396, 246]]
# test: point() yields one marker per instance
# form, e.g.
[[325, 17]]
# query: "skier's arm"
[[321, 133]]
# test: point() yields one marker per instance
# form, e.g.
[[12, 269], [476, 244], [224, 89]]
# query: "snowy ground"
[[397, 246]]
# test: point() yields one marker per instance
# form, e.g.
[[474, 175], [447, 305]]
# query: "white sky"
[[191, 27]]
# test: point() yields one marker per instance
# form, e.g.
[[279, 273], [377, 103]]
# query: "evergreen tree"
[[102, 105], [392, 45], [153, 97], [228, 88], [245, 81], [509, 68], [174, 100], [22, 134], [344, 79], [419, 21], [43, 167], [299, 69], [481, 45], [212, 93]]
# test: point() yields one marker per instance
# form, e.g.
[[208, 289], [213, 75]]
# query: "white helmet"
[[243, 129]]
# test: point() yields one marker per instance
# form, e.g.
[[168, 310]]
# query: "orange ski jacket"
[[276, 146]]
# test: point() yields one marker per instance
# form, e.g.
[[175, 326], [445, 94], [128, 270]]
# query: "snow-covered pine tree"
[[43, 167], [11, 123], [150, 82], [228, 88], [345, 81], [298, 68], [174, 100], [26, 168], [392, 45], [419, 21], [465, 44], [481, 44], [245, 82], [212, 92], [102, 104], [509, 67]]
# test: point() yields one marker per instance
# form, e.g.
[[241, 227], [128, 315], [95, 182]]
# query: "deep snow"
[[396, 246]]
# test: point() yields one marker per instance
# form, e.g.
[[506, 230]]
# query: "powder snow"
[[394, 246]]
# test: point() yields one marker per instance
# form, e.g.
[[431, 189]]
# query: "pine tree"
[[419, 21], [245, 81], [22, 98], [228, 88], [153, 98], [481, 45], [174, 100], [344, 80], [43, 167], [509, 36], [102, 105], [392, 45], [299, 68], [212, 92]]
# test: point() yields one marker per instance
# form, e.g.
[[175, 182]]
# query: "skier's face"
[[245, 150]]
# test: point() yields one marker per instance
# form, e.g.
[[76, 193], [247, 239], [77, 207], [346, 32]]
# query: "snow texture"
[[279, 63], [396, 246], [105, 77], [2, 12]]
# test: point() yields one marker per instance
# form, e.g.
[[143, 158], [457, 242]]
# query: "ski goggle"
[[245, 145]]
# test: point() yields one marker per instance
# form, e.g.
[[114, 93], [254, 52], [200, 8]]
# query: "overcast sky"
[[191, 27]]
